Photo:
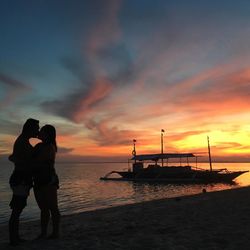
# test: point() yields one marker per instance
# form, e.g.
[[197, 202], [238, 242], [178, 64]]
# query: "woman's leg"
[[55, 214], [40, 195], [45, 216], [55, 223]]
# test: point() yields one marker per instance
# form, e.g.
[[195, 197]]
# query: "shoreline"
[[212, 220]]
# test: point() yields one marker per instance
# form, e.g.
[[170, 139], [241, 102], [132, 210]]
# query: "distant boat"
[[173, 173]]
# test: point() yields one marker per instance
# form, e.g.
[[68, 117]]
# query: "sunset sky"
[[107, 72]]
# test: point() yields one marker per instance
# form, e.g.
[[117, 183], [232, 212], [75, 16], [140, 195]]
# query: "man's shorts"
[[18, 202], [19, 197]]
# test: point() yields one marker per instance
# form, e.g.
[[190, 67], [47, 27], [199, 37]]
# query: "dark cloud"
[[79, 68], [13, 89], [104, 65], [11, 82], [119, 71], [67, 106], [118, 63], [63, 150], [9, 127], [113, 136], [79, 103], [114, 59]]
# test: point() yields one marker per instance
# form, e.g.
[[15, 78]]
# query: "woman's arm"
[[44, 156]]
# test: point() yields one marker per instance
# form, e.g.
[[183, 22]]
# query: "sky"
[[107, 72]]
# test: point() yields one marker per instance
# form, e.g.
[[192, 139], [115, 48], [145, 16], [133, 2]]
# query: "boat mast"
[[134, 151], [162, 133], [209, 154]]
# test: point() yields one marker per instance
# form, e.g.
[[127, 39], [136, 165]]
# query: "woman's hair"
[[51, 134]]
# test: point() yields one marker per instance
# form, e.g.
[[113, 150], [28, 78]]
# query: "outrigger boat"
[[172, 174]]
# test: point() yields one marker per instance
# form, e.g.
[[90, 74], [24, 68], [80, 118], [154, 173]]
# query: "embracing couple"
[[34, 167]]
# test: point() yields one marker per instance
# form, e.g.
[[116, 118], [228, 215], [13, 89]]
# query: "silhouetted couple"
[[34, 167]]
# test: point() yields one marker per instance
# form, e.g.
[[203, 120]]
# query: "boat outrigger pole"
[[209, 154]]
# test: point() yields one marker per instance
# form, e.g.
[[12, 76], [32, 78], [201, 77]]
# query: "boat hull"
[[177, 175]]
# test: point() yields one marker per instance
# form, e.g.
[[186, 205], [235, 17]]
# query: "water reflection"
[[81, 190], [151, 191]]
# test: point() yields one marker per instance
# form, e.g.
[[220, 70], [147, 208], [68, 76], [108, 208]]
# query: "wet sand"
[[211, 221]]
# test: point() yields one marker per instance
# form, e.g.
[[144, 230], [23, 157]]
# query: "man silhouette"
[[21, 178]]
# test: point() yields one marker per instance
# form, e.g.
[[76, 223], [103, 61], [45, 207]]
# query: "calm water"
[[81, 190]]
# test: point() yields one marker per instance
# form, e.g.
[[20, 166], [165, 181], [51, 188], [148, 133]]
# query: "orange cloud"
[[221, 95]]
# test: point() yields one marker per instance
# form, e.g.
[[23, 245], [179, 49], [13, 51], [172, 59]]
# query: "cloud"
[[183, 135], [106, 109], [64, 150], [77, 105], [106, 31], [5, 146], [171, 79], [105, 65], [229, 145], [10, 128], [218, 94], [105, 135], [13, 89]]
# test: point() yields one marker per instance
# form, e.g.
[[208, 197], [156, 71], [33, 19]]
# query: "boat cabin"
[[140, 159]]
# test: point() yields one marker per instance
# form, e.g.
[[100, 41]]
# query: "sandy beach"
[[216, 220]]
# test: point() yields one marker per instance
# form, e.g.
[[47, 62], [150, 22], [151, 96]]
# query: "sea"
[[82, 190]]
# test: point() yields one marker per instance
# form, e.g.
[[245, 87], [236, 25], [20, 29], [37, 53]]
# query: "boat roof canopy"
[[156, 157]]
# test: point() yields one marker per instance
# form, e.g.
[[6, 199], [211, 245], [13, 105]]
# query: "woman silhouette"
[[46, 180]]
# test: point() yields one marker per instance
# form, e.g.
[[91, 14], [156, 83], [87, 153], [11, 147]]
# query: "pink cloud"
[[97, 93], [105, 32]]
